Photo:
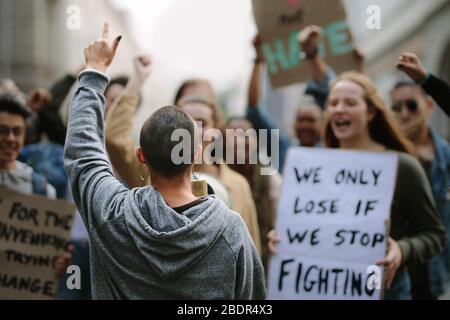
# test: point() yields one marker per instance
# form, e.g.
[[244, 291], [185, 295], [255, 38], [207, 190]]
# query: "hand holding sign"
[[391, 262], [308, 39], [100, 54], [279, 25], [63, 261], [331, 226], [257, 45], [273, 241], [410, 64]]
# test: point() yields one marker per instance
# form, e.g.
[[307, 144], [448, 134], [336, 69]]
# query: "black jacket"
[[439, 90]]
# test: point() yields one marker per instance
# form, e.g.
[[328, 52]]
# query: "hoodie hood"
[[169, 241]]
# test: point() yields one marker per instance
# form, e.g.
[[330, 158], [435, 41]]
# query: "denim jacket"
[[47, 159], [259, 121], [439, 266], [320, 89]]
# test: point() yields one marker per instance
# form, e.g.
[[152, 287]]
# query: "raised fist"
[[142, 66], [38, 99], [257, 45], [308, 39], [410, 64]]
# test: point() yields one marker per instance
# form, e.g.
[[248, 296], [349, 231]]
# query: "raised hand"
[[100, 54], [142, 66], [273, 241], [410, 64], [38, 99], [308, 39], [359, 57], [257, 45], [63, 261], [391, 262], [254, 87]]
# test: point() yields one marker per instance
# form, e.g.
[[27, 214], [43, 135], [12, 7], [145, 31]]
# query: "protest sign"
[[279, 23], [331, 222], [33, 230]]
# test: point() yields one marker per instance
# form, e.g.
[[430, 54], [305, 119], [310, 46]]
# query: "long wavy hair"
[[382, 128]]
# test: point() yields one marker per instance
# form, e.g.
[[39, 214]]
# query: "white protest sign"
[[331, 222]]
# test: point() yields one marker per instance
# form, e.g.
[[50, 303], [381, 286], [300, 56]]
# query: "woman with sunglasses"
[[358, 120]]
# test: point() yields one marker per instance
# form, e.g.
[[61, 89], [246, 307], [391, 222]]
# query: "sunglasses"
[[412, 106], [6, 131]]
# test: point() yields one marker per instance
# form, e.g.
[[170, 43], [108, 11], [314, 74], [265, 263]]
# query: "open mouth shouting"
[[341, 125]]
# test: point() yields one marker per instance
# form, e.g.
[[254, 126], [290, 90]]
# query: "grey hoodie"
[[140, 247]]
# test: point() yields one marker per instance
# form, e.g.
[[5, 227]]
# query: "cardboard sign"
[[33, 230], [279, 23], [331, 223]]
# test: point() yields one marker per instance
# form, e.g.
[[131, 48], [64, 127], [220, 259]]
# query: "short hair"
[[194, 83], [217, 114], [406, 83], [156, 140], [10, 104], [311, 106]]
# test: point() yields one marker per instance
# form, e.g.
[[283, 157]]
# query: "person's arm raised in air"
[[359, 57], [257, 118], [47, 104], [94, 187], [322, 74], [119, 125], [438, 89]]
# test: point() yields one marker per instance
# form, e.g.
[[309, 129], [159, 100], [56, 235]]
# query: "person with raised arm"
[[437, 88], [160, 241], [412, 106], [358, 119]]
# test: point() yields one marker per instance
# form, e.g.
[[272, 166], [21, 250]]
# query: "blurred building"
[[40, 40]]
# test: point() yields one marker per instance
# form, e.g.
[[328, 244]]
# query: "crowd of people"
[[142, 233]]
